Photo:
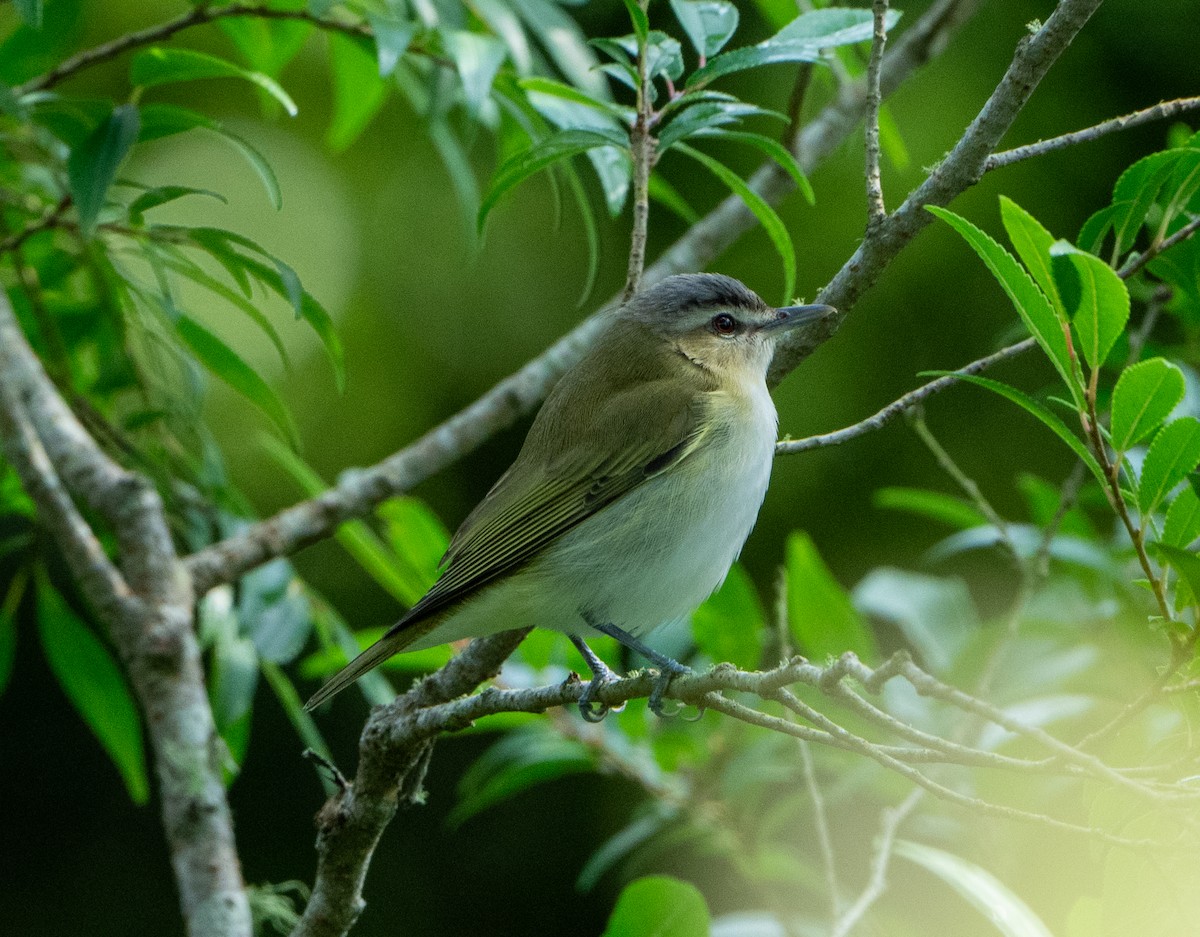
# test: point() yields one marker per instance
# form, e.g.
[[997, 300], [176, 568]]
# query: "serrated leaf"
[[1094, 297], [1182, 525], [1145, 395], [93, 164], [709, 24], [392, 39], [729, 625], [157, 66], [766, 53], [1030, 302], [935, 505], [776, 230], [1092, 234], [773, 150], [821, 617], [1032, 243], [659, 906], [1173, 455], [95, 686], [225, 363], [358, 91], [1185, 563], [1136, 190], [995, 901], [557, 146], [1030, 405]]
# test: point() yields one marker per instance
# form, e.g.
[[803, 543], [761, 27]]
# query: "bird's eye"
[[724, 324]]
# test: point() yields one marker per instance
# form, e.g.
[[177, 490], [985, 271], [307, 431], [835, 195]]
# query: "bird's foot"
[[669, 669], [602, 674]]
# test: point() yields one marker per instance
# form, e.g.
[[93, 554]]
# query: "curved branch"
[[147, 608]]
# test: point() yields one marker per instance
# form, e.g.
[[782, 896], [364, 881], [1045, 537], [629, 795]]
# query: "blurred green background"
[[432, 316]]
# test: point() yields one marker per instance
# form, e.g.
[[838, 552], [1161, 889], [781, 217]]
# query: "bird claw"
[[661, 683], [589, 709]]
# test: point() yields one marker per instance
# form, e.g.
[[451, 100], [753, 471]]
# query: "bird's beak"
[[790, 317]]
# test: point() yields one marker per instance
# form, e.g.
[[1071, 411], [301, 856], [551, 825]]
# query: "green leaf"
[[1095, 298], [301, 720], [95, 686], [774, 150], [1174, 453], [222, 361], [234, 679], [776, 230], [358, 91], [477, 58], [1032, 242], [557, 146], [1145, 395], [1030, 302], [564, 42], [659, 906], [637, 16], [268, 45], [1030, 405], [417, 536], [668, 196], [165, 120], [932, 504], [729, 625], [994, 900], [152, 198], [94, 163], [30, 11], [821, 617], [519, 760], [275, 611], [8, 625], [1135, 193], [392, 39], [802, 40], [699, 114], [1182, 525], [936, 615], [709, 24], [539, 85], [158, 66], [1185, 563], [259, 164]]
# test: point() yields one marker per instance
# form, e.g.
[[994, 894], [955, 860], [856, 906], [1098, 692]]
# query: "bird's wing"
[[540, 499]]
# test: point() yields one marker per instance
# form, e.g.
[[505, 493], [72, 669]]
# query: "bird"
[[638, 483]]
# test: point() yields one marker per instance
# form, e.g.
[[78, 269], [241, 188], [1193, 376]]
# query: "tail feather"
[[395, 641]]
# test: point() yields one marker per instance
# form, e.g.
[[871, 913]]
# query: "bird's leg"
[[668, 667], [601, 674]]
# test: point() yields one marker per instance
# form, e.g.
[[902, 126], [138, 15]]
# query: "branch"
[[1161, 111], [641, 147], [876, 211], [357, 492], [194, 17], [147, 607], [897, 407], [960, 170], [889, 825]]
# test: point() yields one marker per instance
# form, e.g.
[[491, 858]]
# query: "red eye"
[[724, 324]]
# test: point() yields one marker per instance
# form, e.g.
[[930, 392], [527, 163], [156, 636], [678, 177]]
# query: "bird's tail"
[[396, 640]]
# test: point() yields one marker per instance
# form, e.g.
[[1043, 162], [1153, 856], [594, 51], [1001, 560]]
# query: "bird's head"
[[717, 322]]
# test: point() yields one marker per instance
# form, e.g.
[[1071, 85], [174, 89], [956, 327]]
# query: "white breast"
[[653, 556]]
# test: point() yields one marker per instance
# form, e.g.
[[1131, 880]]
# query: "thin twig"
[[821, 825], [1161, 111], [876, 211], [641, 147], [1136, 263], [889, 823], [899, 406]]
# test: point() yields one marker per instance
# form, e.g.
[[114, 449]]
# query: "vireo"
[[636, 487]]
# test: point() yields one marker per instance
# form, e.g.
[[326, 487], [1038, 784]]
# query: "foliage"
[[116, 304]]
